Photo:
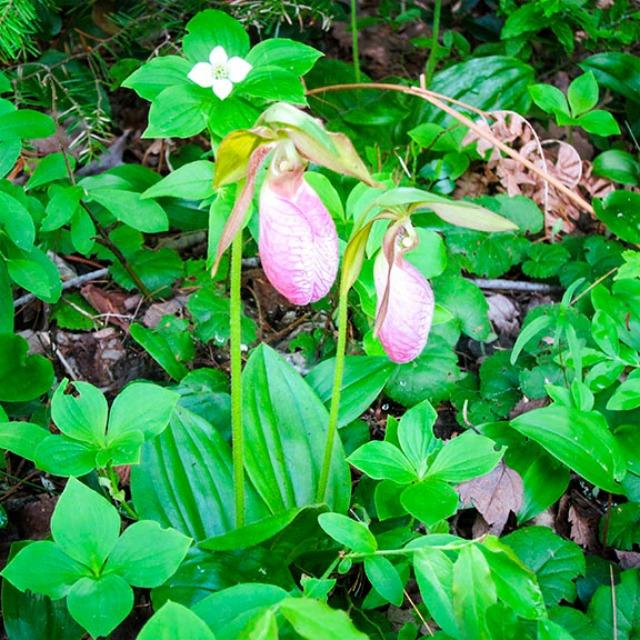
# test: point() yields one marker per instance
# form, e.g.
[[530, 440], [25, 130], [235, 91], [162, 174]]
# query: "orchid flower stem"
[[433, 53], [237, 433], [338, 374], [355, 50]]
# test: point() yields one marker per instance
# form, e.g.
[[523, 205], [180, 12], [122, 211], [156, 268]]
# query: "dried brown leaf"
[[494, 495]]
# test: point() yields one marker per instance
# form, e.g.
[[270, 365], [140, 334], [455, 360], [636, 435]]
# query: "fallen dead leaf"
[[628, 559], [583, 527], [494, 495]]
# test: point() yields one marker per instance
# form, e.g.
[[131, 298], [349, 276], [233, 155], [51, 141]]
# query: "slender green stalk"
[[335, 397], [237, 433], [355, 50], [435, 36]]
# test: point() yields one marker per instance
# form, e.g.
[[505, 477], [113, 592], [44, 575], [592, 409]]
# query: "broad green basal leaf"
[[282, 414], [579, 439]]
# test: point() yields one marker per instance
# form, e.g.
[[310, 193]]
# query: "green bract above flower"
[[220, 73]]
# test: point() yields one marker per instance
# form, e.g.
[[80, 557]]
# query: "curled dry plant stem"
[[235, 326], [338, 374], [437, 100]]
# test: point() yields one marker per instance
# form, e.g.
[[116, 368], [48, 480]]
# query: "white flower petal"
[[222, 88], [201, 74], [218, 56], [238, 69]]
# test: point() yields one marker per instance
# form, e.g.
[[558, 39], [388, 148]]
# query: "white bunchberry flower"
[[220, 73]]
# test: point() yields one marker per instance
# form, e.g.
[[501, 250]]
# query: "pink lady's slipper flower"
[[220, 73], [298, 239], [405, 300]]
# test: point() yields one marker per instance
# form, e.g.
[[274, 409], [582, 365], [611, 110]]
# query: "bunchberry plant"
[[90, 564]]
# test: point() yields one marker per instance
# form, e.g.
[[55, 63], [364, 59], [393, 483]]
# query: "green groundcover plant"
[[332, 500]]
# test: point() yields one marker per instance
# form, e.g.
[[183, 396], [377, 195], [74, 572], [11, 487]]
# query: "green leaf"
[[431, 375], [62, 206], [522, 211], [158, 269], [415, 435], [5, 83], [254, 533], [100, 605], [486, 255], [467, 302], [583, 94], [169, 344], [63, 456], [556, 562], [180, 111], [385, 579], [434, 137], [211, 28], [617, 165], [549, 98], [293, 56], [430, 501], [146, 555], [21, 438], [599, 122], [210, 313], [620, 212], [32, 616], [474, 591], [16, 222], [617, 71], [350, 533], [263, 626], [626, 397], [545, 260], [184, 478], [488, 82], [26, 123], [626, 617], [434, 574], [363, 380], [523, 19], [22, 377], [277, 401], [141, 406], [128, 207], [579, 439], [82, 416], [516, 585], [50, 168], [315, 620], [84, 525], [430, 256], [175, 622], [43, 567], [9, 153], [191, 181], [158, 74], [465, 457], [227, 612], [383, 461], [549, 630], [273, 83], [621, 526], [34, 271]]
